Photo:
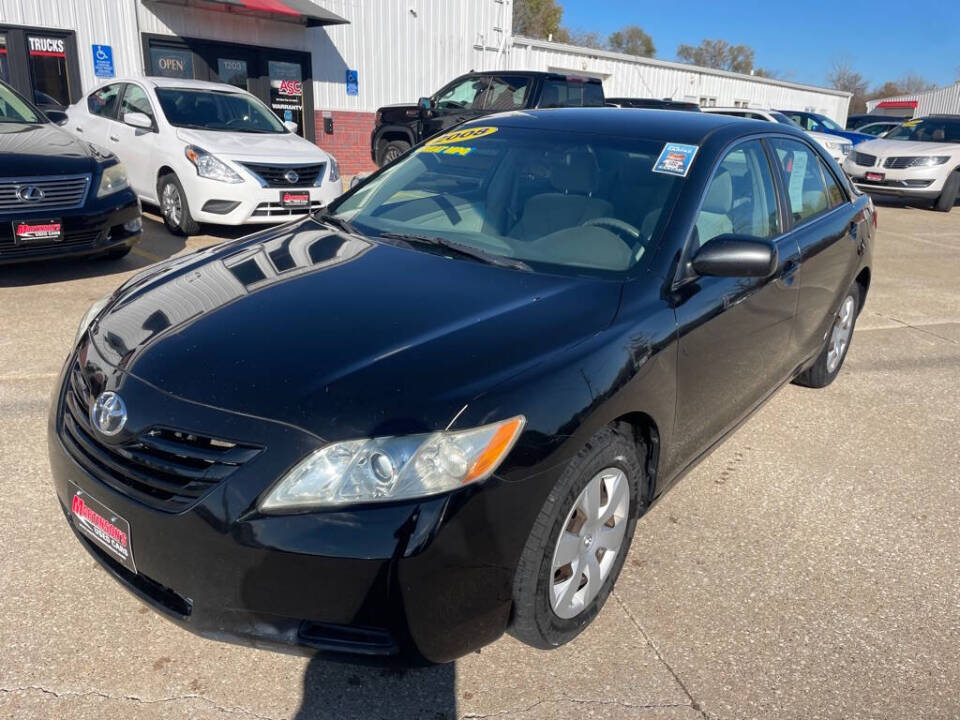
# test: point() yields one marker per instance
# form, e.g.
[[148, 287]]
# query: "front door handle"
[[79, 129], [115, 138], [787, 272]]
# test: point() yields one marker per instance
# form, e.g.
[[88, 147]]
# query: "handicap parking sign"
[[103, 61]]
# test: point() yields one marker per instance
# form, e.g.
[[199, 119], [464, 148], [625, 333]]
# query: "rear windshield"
[[559, 201], [927, 130], [571, 93], [215, 110]]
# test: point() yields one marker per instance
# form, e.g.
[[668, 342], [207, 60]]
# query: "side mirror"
[[357, 179], [736, 256], [425, 105], [57, 117], [291, 125], [138, 120]]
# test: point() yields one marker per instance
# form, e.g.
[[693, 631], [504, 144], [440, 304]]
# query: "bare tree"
[[718, 54], [536, 18], [632, 40], [842, 76]]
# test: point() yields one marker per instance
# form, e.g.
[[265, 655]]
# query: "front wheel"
[[174, 207], [827, 366], [948, 197], [579, 542], [393, 150]]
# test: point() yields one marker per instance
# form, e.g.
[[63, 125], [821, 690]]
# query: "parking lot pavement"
[[808, 569]]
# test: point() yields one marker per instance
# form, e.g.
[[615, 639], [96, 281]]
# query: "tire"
[[117, 252], [948, 197], [175, 209], [827, 366], [540, 582], [392, 150]]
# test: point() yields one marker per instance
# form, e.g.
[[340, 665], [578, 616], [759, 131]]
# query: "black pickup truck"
[[399, 127]]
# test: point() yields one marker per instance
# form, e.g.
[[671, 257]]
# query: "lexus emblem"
[[291, 176], [108, 414], [30, 193]]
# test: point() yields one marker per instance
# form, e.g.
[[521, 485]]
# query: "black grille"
[[164, 468], [901, 162], [278, 210], [273, 175], [864, 160], [49, 193], [72, 241]]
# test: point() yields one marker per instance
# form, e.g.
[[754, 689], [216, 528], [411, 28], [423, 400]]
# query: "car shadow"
[[357, 692], [898, 202]]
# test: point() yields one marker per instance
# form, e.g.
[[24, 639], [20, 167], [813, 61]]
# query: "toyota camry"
[[435, 413]]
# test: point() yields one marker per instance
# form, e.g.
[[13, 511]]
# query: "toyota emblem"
[[291, 176], [108, 414], [30, 193]]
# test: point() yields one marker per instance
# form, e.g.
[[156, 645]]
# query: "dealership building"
[[329, 64]]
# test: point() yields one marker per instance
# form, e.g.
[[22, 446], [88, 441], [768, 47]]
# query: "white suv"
[[837, 147], [918, 159], [206, 152]]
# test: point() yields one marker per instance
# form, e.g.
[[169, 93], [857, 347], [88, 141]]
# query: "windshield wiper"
[[337, 222], [458, 249]]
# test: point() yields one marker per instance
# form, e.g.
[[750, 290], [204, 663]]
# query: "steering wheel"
[[615, 224]]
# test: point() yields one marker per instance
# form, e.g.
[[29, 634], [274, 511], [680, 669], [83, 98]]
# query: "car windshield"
[[826, 122], [563, 202], [939, 130], [216, 110], [14, 110], [783, 119]]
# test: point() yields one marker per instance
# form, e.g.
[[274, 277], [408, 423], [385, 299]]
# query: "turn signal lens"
[[496, 450]]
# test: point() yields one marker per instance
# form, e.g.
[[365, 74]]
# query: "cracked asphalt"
[[809, 568]]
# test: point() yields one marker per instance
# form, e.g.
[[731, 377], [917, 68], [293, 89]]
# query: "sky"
[[882, 40]]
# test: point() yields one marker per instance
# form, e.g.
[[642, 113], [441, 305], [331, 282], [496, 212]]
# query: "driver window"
[[135, 100], [462, 96], [740, 198]]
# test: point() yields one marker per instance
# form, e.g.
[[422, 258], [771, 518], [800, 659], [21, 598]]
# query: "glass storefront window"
[[233, 72], [48, 70], [4, 61], [286, 91], [171, 62]]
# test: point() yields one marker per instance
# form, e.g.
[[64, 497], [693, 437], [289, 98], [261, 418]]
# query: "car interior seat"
[[574, 178]]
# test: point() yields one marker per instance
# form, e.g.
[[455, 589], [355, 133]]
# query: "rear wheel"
[[392, 150], [174, 207], [948, 197], [825, 370], [579, 542]]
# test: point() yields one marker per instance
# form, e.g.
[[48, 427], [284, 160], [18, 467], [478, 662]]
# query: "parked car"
[[878, 129], [918, 159], [855, 122], [653, 104], [837, 148], [207, 152], [815, 122], [59, 196], [437, 412], [470, 96]]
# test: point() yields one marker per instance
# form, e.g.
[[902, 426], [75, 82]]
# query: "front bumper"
[[416, 580], [248, 203], [925, 183], [95, 228]]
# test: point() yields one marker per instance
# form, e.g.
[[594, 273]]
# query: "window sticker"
[[675, 159], [446, 150], [798, 173], [913, 123], [462, 135]]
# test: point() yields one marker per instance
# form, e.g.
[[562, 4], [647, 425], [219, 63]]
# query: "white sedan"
[[837, 147], [206, 152]]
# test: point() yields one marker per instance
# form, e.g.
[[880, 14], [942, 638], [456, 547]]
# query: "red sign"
[[291, 87], [38, 231]]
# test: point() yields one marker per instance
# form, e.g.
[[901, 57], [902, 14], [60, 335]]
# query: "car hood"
[[884, 147], [278, 148], [823, 138], [45, 149], [341, 336], [402, 113]]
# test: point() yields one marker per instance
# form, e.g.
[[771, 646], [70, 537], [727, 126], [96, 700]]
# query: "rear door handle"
[[79, 129]]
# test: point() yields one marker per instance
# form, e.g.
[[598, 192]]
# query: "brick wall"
[[350, 141]]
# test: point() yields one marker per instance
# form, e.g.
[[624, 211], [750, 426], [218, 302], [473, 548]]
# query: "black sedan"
[[59, 196], [436, 413]]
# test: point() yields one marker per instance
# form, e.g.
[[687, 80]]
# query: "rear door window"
[[506, 92], [800, 169], [835, 194], [571, 93]]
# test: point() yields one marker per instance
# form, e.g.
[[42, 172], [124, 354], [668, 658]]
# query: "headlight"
[[334, 172], [113, 179], [90, 316], [393, 468], [209, 166], [929, 161]]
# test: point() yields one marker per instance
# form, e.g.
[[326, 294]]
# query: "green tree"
[[632, 40], [537, 18], [718, 54]]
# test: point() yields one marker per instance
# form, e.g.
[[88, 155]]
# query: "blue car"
[[816, 122]]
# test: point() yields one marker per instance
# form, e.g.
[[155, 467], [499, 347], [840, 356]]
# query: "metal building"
[[632, 76], [943, 100]]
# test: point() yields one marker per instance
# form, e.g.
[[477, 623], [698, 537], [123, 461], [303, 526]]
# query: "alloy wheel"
[[172, 204], [591, 538], [840, 335]]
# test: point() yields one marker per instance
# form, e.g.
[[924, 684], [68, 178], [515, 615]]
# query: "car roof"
[[737, 109], [533, 73], [661, 125], [157, 81]]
